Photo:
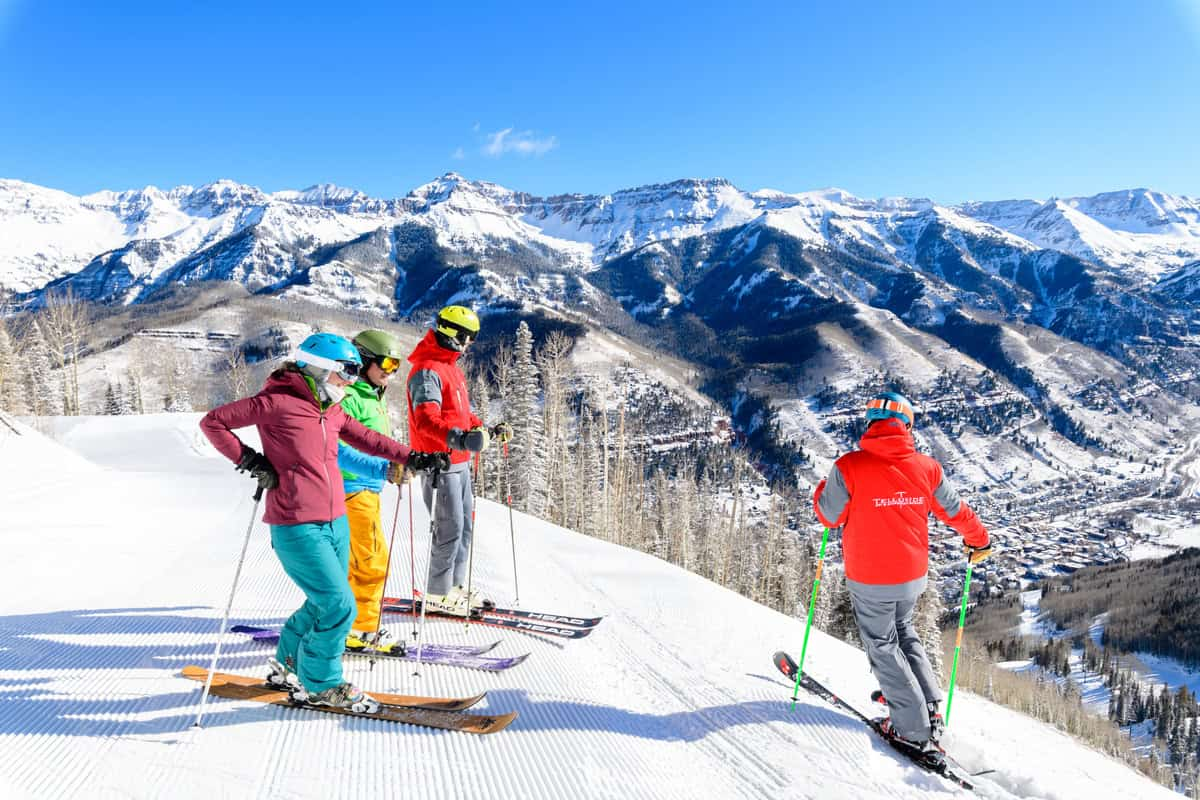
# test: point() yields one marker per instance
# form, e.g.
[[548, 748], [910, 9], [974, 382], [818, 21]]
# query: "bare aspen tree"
[[237, 373], [556, 373], [177, 394], [685, 507], [43, 384], [658, 543], [927, 620], [736, 496], [488, 465], [621, 479], [64, 322], [10, 372], [501, 374]]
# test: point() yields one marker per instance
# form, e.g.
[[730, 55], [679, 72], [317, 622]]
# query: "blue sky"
[[947, 100]]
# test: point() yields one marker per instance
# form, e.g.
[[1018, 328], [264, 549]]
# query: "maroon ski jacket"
[[300, 439]]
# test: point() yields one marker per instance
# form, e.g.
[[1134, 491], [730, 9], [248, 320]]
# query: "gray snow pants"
[[897, 657], [452, 528]]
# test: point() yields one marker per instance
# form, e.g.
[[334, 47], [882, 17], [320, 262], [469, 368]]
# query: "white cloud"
[[523, 143], [459, 154]]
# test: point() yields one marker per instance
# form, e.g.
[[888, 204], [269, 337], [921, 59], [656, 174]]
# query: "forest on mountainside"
[[1153, 606]]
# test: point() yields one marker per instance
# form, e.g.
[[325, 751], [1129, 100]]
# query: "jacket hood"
[[428, 349], [888, 439], [291, 380]]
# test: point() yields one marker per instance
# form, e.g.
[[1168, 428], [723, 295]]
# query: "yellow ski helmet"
[[457, 323]]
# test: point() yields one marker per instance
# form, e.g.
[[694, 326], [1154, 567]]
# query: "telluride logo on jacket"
[[900, 499]]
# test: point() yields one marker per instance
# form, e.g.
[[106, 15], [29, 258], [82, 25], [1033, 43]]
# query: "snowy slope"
[[120, 570]]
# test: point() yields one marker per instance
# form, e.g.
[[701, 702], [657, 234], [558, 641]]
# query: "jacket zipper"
[[325, 464]]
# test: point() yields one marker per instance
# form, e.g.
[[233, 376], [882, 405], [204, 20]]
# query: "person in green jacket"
[[364, 476]]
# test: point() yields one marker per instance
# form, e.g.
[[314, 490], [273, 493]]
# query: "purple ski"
[[452, 655]]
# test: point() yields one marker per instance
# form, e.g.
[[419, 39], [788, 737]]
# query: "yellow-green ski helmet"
[[458, 326]]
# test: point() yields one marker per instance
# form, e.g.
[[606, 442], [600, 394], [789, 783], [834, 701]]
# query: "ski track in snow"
[[121, 578]]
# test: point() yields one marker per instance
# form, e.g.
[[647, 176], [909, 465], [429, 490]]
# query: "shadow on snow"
[[41, 704]]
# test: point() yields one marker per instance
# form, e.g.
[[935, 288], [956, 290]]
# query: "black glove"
[[427, 462], [475, 440], [259, 468]]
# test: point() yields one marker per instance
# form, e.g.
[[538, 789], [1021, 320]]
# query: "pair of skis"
[[787, 665], [453, 655], [444, 713], [537, 623]]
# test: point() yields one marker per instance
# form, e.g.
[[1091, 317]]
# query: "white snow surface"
[[121, 555]]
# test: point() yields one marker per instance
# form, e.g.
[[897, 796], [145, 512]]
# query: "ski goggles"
[[348, 370], [388, 364]]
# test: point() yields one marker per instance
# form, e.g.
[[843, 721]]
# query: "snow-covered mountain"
[[673, 695], [783, 294], [1149, 232]]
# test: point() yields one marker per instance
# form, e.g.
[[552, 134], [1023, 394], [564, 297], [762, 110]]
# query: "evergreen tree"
[[114, 402], [526, 451]]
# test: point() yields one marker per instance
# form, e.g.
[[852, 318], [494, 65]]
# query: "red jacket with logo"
[[881, 495], [437, 399], [300, 439]]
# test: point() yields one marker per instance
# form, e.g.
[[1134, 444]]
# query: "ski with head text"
[[543, 617], [787, 665], [529, 626], [427, 714], [451, 655]]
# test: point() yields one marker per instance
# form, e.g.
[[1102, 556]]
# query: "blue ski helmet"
[[330, 352], [891, 404]]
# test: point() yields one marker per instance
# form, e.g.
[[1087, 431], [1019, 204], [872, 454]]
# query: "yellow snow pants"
[[368, 557]]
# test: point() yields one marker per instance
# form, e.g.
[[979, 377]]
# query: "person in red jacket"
[[440, 419], [881, 496], [299, 423]]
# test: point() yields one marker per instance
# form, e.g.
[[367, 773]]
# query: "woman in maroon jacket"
[[300, 422]]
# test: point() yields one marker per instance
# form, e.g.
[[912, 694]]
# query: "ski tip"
[[497, 723]]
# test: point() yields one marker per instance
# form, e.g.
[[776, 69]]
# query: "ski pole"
[[812, 604], [412, 558], [512, 536], [962, 620], [212, 667], [433, 477], [388, 571], [471, 549]]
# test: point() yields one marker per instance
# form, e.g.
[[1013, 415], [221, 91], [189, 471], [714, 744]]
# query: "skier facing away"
[[881, 496], [364, 477], [440, 420], [299, 422]]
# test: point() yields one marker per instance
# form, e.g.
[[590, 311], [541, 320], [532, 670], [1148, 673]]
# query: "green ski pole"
[[962, 620], [812, 604]]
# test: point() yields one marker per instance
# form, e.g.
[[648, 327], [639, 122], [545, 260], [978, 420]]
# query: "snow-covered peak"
[[454, 188], [1140, 210], [222, 195], [1149, 231]]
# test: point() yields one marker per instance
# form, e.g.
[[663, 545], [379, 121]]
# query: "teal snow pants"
[[316, 556]]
